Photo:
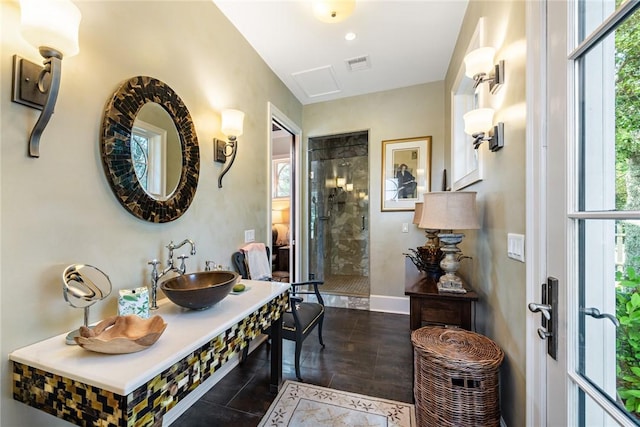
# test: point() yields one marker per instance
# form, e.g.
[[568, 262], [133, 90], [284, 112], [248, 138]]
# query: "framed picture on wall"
[[406, 172]]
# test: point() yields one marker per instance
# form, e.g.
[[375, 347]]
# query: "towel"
[[255, 255]]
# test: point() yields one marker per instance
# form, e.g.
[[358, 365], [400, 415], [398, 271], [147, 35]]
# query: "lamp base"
[[452, 287], [450, 282]]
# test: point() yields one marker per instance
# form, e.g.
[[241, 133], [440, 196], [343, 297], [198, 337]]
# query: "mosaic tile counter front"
[[89, 405]]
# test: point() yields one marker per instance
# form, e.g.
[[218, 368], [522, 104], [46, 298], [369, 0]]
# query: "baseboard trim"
[[388, 304]]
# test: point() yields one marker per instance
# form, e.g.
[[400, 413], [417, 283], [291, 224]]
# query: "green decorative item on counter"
[[134, 301]]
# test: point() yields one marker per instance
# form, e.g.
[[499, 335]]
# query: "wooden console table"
[[429, 306]]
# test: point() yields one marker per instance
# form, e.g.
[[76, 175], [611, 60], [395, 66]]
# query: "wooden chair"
[[302, 316]]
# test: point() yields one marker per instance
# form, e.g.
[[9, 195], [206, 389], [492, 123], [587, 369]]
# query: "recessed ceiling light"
[[350, 36]]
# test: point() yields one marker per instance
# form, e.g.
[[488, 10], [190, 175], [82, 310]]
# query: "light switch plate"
[[249, 236], [405, 227], [515, 246]]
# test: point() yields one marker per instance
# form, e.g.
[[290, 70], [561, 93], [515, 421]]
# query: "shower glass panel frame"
[[339, 212]]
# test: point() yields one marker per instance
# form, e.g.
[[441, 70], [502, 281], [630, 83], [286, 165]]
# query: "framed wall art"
[[406, 172]]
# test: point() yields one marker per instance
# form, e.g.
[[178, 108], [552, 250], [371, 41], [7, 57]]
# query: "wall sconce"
[[479, 124], [52, 27], [232, 121], [331, 11], [478, 62], [341, 182]]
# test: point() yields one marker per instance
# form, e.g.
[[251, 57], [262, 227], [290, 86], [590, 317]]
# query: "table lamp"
[[449, 211]]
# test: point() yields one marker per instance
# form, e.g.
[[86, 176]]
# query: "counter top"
[[186, 331]]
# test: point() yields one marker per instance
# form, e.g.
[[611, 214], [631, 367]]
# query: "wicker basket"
[[456, 378]]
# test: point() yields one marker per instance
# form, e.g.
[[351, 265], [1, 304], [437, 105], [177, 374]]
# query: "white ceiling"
[[407, 42]]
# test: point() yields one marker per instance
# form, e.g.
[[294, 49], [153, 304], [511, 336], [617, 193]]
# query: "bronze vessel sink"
[[201, 290]]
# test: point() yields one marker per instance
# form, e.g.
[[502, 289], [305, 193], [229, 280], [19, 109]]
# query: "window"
[[606, 209], [148, 152], [281, 178], [466, 166]]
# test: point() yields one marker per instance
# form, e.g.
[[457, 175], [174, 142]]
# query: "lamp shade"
[[477, 121], [417, 214], [232, 121], [51, 23], [276, 217], [333, 10], [479, 61], [450, 210]]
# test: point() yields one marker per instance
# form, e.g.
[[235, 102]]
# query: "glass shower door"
[[339, 201]]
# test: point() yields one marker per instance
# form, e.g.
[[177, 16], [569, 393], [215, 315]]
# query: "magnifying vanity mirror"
[[83, 286], [149, 150]]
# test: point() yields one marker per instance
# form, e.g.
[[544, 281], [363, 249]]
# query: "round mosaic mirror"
[[118, 160]]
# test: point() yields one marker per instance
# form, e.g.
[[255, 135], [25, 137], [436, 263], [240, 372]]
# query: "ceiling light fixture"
[[350, 36], [332, 11]]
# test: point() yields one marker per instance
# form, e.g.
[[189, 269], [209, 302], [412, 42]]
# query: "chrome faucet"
[[156, 275], [172, 247]]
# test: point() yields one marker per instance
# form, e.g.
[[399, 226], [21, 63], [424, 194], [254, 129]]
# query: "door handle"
[[544, 309], [543, 333], [595, 313], [549, 310], [363, 222]]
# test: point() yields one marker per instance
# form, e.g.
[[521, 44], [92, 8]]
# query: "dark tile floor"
[[366, 352]]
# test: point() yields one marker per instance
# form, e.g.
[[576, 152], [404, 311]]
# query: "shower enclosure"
[[339, 213]]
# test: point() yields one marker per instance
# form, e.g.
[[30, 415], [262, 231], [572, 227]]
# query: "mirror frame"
[[115, 149]]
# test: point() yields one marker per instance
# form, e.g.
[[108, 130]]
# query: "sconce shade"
[[417, 214], [479, 61], [450, 210], [331, 11], [478, 121], [51, 23], [341, 182], [232, 121]]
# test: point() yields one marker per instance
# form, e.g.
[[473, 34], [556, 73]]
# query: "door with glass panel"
[[594, 246]]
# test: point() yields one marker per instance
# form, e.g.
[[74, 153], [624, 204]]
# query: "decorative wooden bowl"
[[121, 334]]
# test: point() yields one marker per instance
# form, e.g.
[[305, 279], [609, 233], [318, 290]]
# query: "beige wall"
[[499, 280], [58, 209], [401, 113]]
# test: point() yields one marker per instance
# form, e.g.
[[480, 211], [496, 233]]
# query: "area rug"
[[299, 404]]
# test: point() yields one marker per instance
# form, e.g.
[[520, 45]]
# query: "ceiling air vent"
[[359, 63]]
